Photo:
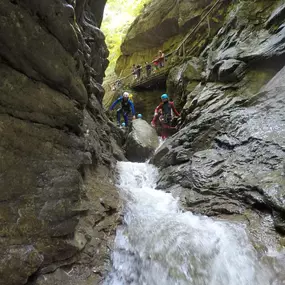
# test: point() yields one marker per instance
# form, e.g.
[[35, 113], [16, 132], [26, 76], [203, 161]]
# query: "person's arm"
[[156, 115], [154, 120], [115, 103], [132, 108], [174, 109], [157, 109]]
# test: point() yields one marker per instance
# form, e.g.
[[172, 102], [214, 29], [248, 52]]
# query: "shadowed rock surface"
[[58, 205]]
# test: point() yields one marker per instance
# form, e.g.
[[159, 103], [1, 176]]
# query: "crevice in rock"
[[67, 130]]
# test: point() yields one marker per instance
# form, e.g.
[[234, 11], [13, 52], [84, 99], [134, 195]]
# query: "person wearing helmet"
[[164, 114], [127, 107], [139, 116]]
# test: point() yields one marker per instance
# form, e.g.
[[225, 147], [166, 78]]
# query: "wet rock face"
[[228, 158], [231, 158], [57, 204], [141, 141]]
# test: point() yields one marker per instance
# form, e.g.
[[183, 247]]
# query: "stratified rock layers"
[[57, 203]]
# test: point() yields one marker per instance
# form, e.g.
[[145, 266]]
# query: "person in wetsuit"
[[163, 116], [127, 107]]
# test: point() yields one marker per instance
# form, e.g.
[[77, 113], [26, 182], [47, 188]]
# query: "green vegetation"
[[119, 14]]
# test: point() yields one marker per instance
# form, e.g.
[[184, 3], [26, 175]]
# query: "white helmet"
[[126, 95]]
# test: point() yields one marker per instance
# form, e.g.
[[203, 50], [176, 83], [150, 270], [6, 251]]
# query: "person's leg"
[[165, 131], [119, 111], [126, 118], [163, 134]]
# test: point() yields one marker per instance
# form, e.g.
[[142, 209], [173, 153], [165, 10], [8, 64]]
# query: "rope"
[[197, 26], [182, 44]]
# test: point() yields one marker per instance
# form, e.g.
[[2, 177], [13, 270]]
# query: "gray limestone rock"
[[141, 141], [232, 159], [56, 148]]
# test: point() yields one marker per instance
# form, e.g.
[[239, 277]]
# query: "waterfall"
[[158, 244]]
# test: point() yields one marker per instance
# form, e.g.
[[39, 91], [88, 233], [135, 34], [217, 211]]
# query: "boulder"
[[21, 259], [141, 141], [229, 70]]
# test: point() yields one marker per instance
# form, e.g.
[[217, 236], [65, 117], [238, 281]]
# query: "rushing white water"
[[160, 245]]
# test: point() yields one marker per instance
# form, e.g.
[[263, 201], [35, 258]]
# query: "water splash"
[[160, 245]]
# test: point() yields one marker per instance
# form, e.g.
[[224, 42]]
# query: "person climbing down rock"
[[127, 107], [163, 117]]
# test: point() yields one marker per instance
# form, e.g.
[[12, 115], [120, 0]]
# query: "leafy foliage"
[[119, 14]]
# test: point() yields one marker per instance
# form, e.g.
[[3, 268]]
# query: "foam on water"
[[160, 245]]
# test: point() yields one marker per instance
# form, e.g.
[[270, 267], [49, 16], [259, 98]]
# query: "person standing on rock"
[[139, 67], [163, 116], [134, 71], [148, 68], [127, 107], [160, 59]]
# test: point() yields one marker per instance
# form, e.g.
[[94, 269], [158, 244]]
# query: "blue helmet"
[[164, 96], [123, 124], [139, 116]]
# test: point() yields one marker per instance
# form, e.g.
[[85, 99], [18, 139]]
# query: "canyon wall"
[[58, 203]]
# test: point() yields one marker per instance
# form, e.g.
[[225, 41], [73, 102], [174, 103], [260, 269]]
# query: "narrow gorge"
[[85, 202]]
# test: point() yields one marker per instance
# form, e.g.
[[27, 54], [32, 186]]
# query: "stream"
[[159, 244]]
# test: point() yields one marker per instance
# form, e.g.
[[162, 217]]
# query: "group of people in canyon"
[[150, 67], [163, 114]]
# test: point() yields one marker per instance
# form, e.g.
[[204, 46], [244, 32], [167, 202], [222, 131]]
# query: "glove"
[[134, 117]]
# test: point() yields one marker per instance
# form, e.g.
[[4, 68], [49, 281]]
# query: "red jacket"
[[159, 109]]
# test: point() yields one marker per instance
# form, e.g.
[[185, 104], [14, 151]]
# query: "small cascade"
[[159, 244]]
